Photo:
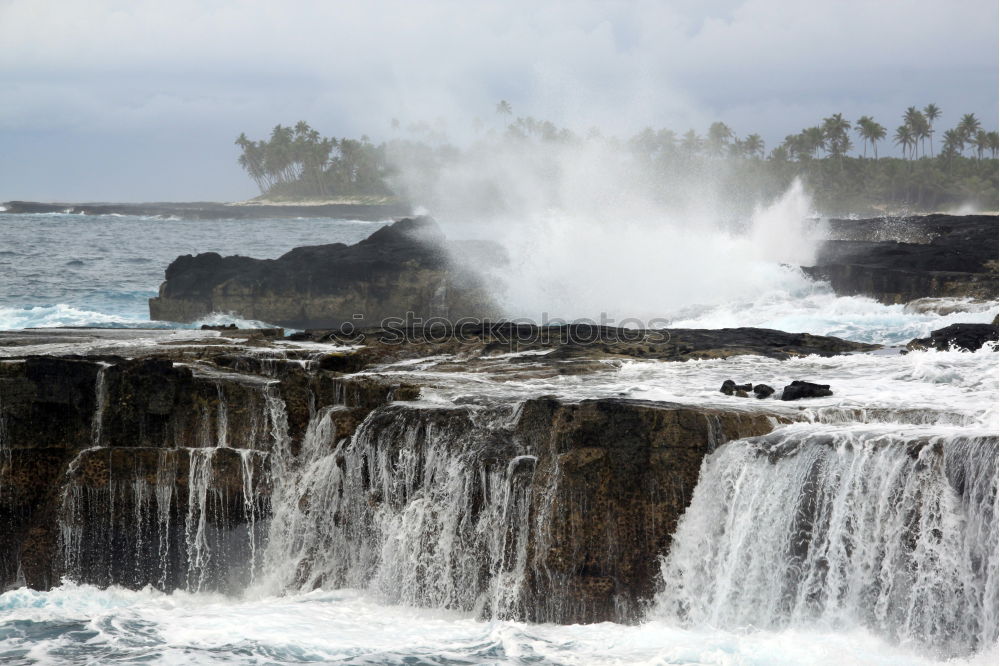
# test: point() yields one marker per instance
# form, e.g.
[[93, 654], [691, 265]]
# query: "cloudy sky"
[[141, 100]]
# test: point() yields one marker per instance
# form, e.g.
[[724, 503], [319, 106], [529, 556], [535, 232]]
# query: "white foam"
[[89, 624], [62, 315]]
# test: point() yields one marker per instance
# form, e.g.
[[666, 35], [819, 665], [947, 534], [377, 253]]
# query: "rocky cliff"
[[406, 268], [897, 260], [402, 268], [212, 463]]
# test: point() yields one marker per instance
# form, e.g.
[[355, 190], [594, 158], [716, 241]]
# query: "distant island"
[[297, 164]]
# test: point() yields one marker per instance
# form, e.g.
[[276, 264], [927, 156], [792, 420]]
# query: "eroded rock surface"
[[897, 260], [967, 337], [399, 269], [186, 460]]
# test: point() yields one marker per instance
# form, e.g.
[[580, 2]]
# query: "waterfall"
[[189, 517], [419, 507], [890, 527], [101, 403]]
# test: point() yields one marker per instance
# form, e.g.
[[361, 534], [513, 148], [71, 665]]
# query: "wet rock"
[[799, 389], [107, 430], [763, 391], [729, 387], [897, 260], [402, 268], [967, 337]]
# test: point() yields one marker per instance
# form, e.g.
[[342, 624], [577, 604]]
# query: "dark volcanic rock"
[[896, 260], [799, 389], [621, 473], [80, 436], [399, 269], [969, 337], [602, 482], [584, 344], [763, 391], [729, 387]]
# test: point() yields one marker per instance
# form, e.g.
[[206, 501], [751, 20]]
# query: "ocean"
[[724, 597]]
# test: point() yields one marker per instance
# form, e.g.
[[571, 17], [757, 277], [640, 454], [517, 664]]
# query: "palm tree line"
[[296, 161]]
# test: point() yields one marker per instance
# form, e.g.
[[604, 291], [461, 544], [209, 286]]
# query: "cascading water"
[[890, 527], [101, 398], [422, 512], [174, 517]]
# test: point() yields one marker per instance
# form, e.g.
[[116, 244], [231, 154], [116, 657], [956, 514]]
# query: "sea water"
[[77, 270], [101, 270]]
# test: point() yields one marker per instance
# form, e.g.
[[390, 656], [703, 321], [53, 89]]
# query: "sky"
[[138, 100]]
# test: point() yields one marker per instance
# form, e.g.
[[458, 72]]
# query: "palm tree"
[[921, 131], [967, 128], [835, 129], [914, 120], [904, 138], [982, 143], [691, 143], [953, 144], [504, 109], [718, 136], [877, 133], [753, 145], [932, 113], [993, 138], [813, 139], [780, 154], [870, 132], [861, 126]]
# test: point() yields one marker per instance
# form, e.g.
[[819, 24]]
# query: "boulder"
[[763, 391], [401, 270], [897, 260], [729, 387], [799, 389], [967, 337]]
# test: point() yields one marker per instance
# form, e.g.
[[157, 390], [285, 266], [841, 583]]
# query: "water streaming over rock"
[[892, 527], [178, 516], [514, 510], [422, 511], [101, 401]]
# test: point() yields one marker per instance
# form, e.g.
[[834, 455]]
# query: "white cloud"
[[348, 67]]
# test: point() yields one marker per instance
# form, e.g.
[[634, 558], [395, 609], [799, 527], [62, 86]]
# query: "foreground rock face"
[[169, 468], [399, 269], [903, 259], [80, 437], [613, 477]]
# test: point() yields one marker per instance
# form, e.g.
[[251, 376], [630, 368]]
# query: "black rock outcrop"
[[967, 337], [896, 260], [799, 389], [763, 391], [402, 268]]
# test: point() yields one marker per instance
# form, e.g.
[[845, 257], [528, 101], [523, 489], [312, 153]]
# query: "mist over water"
[[589, 235]]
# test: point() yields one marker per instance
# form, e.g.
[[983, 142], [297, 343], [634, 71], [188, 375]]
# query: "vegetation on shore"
[[960, 168]]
